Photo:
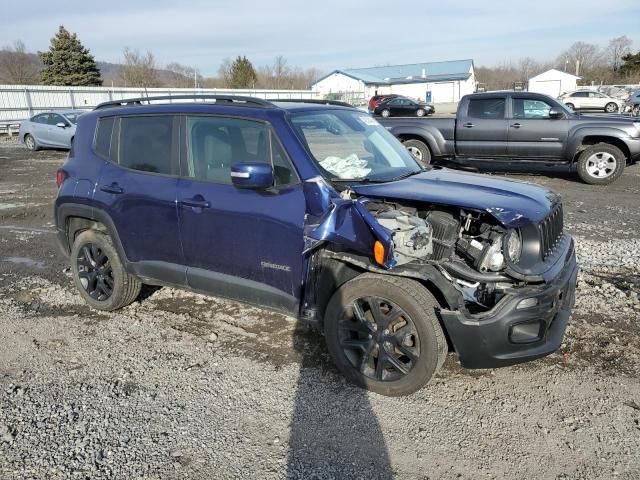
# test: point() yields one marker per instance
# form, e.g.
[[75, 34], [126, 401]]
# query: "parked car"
[[506, 131], [377, 99], [403, 107], [632, 104], [316, 211], [50, 129], [590, 100]]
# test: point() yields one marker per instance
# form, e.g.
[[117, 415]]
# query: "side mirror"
[[555, 113], [61, 125], [256, 175]]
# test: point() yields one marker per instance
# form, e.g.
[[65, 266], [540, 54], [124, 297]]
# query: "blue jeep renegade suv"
[[315, 210]]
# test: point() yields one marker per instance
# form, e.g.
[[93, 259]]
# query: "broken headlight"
[[493, 259], [513, 245]]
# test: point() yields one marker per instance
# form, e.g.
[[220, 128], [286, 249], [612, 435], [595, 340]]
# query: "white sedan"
[[590, 100]]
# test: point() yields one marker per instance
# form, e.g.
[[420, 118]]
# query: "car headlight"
[[513, 245]]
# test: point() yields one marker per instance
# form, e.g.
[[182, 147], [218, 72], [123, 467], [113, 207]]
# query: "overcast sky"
[[326, 34]]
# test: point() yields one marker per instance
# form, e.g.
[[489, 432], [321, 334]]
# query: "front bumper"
[[507, 335]]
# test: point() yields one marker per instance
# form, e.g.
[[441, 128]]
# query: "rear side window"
[[146, 143], [102, 144], [490, 108]]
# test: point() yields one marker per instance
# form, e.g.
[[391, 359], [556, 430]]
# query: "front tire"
[[570, 106], [420, 113], [99, 273], [611, 107], [383, 334], [419, 150], [30, 142], [601, 164]]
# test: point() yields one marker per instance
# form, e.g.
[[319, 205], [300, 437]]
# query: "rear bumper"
[[507, 335]]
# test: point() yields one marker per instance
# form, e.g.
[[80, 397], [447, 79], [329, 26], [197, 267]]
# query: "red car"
[[377, 99]]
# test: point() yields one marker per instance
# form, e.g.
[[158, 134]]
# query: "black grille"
[[551, 231]]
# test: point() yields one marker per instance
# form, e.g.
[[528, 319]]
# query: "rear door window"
[[149, 144], [488, 108]]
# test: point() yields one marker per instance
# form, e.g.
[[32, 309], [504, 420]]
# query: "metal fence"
[[19, 102]]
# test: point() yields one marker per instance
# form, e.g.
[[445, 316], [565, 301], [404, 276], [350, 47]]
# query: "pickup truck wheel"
[[99, 274], [601, 164], [419, 150], [570, 106], [385, 113], [611, 107], [383, 334]]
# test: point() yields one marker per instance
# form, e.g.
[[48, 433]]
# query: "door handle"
[[468, 125], [113, 188], [516, 125], [195, 203]]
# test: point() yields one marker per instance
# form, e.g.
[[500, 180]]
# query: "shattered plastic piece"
[[349, 167]]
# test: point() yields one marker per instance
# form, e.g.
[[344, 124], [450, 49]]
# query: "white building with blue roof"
[[437, 82]]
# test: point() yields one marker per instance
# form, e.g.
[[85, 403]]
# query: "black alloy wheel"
[[379, 339], [95, 272]]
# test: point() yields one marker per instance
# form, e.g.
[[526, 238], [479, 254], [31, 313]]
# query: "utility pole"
[[577, 68]]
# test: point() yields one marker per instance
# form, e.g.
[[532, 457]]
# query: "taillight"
[[61, 176]]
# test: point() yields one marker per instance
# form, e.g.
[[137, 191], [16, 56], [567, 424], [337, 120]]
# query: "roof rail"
[[218, 98], [312, 100]]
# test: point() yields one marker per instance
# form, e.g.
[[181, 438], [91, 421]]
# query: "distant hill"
[[108, 71]]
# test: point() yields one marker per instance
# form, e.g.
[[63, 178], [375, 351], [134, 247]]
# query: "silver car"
[[590, 100], [50, 129]]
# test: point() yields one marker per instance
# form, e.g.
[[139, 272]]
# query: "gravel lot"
[[180, 385]]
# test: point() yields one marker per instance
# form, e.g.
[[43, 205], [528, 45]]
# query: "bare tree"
[[139, 70], [618, 48], [224, 72], [580, 56], [16, 66], [183, 76]]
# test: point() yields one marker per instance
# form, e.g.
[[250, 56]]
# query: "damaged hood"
[[511, 202]]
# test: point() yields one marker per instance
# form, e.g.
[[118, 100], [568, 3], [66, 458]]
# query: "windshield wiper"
[[404, 175]]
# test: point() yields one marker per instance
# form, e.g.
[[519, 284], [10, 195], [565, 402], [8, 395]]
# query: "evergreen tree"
[[630, 65], [242, 73], [68, 62]]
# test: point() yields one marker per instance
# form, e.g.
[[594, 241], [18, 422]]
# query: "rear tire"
[[570, 106], [99, 273], [419, 150], [601, 164], [31, 143], [394, 351], [611, 107], [385, 113]]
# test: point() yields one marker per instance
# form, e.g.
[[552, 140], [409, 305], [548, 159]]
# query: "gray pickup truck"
[[520, 131]]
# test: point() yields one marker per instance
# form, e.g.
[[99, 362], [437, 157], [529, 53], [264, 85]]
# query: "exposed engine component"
[[445, 233], [468, 246], [411, 235]]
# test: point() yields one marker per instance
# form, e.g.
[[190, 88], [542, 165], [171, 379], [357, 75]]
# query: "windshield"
[[72, 117], [351, 145]]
